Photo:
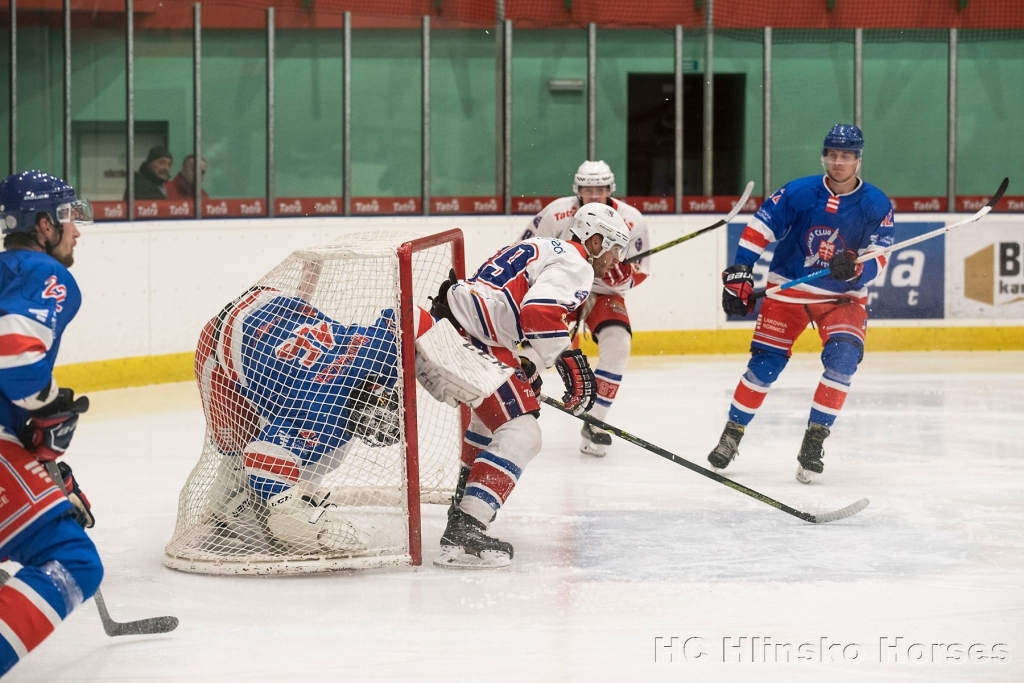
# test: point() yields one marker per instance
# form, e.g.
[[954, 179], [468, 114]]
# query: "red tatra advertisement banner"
[[466, 205], [386, 205], [308, 206], [912, 204], [720, 204], [652, 204], [234, 208], [970, 204], [530, 204]]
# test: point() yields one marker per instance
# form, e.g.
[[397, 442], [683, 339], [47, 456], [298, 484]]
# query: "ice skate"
[[811, 453], [464, 545], [595, 441], [311, 524], [728, 446]]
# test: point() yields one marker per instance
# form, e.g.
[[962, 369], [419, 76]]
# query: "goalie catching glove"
[[579, 381], [50, 428]]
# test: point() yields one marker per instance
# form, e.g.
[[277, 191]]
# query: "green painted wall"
[[904, 104]]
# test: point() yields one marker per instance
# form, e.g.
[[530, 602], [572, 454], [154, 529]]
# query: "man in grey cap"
[[152, 174]]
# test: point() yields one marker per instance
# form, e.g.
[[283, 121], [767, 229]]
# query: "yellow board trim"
[[177, 367], [678, 342]]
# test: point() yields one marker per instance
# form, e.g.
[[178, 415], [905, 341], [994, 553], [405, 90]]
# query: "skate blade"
[[452, 557], [804, 476]]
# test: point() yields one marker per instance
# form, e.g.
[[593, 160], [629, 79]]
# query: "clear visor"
[[608, 245], [79, 211]]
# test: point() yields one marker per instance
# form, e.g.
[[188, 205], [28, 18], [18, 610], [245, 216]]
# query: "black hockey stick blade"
[[685, 238], [823, 518], [141, 627], [999, 193]]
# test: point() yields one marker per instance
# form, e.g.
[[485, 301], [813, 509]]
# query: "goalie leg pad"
[[452, 370], [310, 524]]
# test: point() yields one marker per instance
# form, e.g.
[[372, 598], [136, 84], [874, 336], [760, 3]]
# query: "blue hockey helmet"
[[844, 136], [25, 195]]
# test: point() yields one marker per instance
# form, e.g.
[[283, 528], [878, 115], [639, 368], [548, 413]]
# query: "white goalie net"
[[306, 455]]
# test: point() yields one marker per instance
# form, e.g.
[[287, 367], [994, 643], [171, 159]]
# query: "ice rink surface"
[[614, 553]]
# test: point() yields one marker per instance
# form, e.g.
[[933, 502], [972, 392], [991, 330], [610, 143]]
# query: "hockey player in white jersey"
[[521, 294], [605, 313]]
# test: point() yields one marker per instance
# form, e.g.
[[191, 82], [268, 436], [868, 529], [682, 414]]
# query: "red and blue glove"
[[737, 290], [83, 509], [579, 380], [50, 428]]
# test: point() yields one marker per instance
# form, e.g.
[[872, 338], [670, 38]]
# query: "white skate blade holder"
[[453, 557], [804, 476]]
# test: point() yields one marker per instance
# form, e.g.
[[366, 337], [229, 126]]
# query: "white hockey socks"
[[613, 348]]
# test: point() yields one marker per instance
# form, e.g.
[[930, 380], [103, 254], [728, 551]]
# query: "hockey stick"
[[717, 224], [580, 321], [985, 210], [823, 518], [112, 628]]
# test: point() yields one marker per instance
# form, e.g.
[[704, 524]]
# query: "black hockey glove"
[[737, 290], [844, 266], [532, 374], [50, 428], [439, 308], [83, 509], [579, 381]]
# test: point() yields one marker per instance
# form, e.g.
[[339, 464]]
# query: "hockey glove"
[[738, 290], [83, 509], [579, 381], [439, 308], [50, 428], [844, 266], [532, 374]]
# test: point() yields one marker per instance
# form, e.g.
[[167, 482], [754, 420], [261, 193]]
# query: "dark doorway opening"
[[650, 142]]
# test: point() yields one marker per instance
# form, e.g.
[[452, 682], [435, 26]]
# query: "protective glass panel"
[[812, 90], [40, 98], [549, 113], [463, 101], [636, 109], [234, 118], [99, 164], [308, 114], [386, 113], [904, 111], [990, 101], [164, 122]]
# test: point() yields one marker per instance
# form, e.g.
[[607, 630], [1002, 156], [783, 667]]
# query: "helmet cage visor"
[[78, 211]]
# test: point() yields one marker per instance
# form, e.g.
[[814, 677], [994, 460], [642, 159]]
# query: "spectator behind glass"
[[184, 184], [152, 174]]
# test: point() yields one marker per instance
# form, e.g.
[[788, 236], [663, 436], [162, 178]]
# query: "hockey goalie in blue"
[[286, 389]]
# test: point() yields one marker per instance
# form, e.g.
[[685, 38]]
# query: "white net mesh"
[[304, 465]]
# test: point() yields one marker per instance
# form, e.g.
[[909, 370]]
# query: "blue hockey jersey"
[[38, 298], [810, 224], [298, 367]]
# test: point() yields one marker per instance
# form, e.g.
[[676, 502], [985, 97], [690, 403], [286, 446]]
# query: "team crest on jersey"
[[817, 243], [54, 291], [581, 295], [639, 244], [777, 196], [887, 221]]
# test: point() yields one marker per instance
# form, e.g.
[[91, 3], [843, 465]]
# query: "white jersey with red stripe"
[[523, 293], [38, 298], [555, 220]]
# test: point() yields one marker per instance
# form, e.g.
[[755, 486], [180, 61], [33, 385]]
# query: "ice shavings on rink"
[[612, 553]]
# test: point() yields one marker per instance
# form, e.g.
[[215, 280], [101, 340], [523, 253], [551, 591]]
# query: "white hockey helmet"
[[593, 174], [600, 219]]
